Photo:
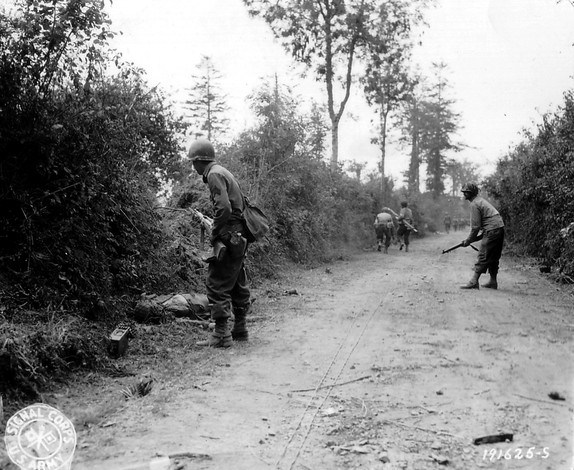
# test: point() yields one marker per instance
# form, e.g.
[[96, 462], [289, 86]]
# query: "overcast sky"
[[510, 61]]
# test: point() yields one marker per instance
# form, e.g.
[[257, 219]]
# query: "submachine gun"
[[452, 248]]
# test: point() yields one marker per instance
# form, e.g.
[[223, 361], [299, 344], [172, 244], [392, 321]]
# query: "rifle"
[[206, 222], [409, 226], [206, 225], [448, 250]]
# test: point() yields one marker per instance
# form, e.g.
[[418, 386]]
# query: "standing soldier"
[[405, 225], [384, 228], [446, 222], [484, 218], [455, 224], [226, 281]]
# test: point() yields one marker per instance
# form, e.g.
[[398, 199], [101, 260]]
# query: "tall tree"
[[387, 84], [328, 36], [317, 130], [442, 124], [429, 123], [206, 106], [411, 120], [386, 81], [271, 147]]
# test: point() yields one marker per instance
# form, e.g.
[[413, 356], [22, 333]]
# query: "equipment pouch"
[[216, 253], [256, 221], [237, 245]]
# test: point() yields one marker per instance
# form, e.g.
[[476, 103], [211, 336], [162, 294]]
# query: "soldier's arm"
[[475, 225], [221, 203]]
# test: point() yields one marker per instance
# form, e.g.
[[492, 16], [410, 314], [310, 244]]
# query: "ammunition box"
[[118, 340]]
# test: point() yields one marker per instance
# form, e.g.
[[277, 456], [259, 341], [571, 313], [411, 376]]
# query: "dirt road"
[[377, 361]]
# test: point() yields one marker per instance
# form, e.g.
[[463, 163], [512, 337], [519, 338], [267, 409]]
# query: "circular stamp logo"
[[40, 437]]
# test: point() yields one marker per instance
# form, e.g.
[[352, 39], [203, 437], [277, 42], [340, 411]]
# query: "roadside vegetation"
[[534, 185], [96, 193]]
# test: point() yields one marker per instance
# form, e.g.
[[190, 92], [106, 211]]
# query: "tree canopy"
[[330, 36]]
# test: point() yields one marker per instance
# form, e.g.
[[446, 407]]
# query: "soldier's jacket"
[[226, 197], [383, 219], [484, 216], [405, 214]]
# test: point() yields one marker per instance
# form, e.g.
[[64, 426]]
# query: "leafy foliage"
[[429, 123], [279, 163], [29, 362], [329, 36], [534, 184], [83, 154]]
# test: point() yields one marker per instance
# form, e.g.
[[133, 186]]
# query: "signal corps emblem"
[[40, 437]]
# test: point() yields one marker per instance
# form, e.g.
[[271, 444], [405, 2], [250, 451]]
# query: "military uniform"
[[484, 217], [404, 232], [384, 228], [226, 281], [486, 220]]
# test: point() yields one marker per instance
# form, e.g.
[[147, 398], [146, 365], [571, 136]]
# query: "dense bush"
[[83, 152], [534, 185], [82, 155], [314, 211]]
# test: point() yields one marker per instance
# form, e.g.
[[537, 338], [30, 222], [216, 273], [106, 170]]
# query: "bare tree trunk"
[[335, 145], [383, 117]]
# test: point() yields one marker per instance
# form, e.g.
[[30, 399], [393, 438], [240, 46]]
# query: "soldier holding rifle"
[[405, 225], [226, 283], [484, 218]]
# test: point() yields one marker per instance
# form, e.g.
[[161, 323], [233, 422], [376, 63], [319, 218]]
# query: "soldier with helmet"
[[226, 281], [384, 229], [487, 225], [405, 225]]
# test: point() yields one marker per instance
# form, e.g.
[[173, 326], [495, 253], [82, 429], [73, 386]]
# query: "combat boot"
[[239, 331], [473, 283], [220, 337], [386, 249], [492, 283], [406, 248]]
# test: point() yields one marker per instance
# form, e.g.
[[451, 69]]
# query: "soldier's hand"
[[465, 243]]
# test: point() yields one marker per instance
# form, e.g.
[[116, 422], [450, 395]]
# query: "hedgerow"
[[534, 184]]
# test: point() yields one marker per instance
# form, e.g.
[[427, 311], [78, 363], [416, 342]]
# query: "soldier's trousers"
[[404, 233], [384, 234], [490, 252], [226, 285]]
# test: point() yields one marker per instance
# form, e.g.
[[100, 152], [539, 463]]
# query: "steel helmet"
[[470, 188], [201, 150]]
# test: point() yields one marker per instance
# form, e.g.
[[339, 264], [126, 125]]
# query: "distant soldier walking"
[[226, 281], [447, 222], [405, 225], [484, 218], [384, 228]]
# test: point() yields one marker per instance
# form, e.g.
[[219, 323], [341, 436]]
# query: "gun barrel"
[[448, 250]]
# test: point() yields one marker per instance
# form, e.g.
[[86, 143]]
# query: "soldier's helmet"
[[201, 150], [470, 188]]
